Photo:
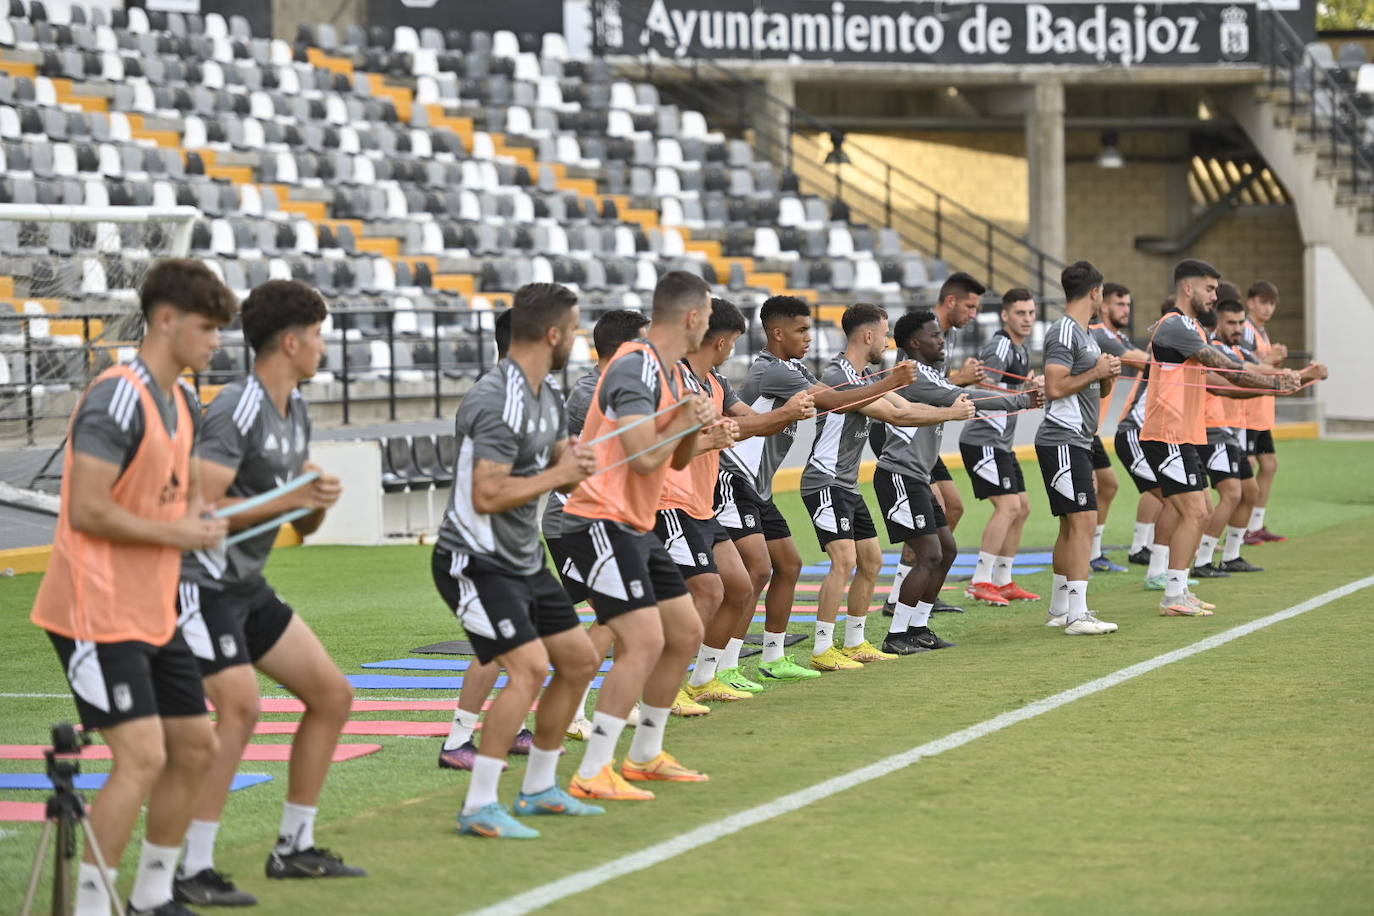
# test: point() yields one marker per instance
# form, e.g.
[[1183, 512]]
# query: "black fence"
[[1324, 103], [418, 359]]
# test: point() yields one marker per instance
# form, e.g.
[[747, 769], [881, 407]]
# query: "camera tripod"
[[66, 810]]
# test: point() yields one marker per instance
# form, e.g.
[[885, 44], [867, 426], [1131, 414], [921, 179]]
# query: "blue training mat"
[[97, 780], [435, 664], [401, 682]]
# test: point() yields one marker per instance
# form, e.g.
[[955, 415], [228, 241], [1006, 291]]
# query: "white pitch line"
[[35, 696], [708, 833]]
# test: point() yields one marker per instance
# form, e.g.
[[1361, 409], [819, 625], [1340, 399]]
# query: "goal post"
[[75, 257]]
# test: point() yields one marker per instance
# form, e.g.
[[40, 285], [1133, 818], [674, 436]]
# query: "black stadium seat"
[[428, 463]]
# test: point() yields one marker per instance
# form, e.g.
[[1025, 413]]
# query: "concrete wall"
[[288, 14], [1343, 319]]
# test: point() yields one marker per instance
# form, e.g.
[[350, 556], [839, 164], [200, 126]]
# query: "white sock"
[[982, 570], [200, 848], [297, 827], [730, 657], [1059, 596], [897, 580], [1206, 549], [1257, 518], [1097, 541], [1144, 536], [1077, 591], [1001, 570], [854, 631], [773, 644], [705, 670], [91, 897], [486, 775], [648, 740], [464, 724], [920, 616], [606, 730], [541, 772], [1159, 560], [581, 711], [153, 885], [825, 637], [1235, 537], [901, 619], [1177, 583]]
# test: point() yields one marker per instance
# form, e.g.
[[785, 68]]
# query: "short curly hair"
[[277, 305], [187, 285]]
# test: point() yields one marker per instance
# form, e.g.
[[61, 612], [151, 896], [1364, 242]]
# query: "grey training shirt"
[[578, 403], [244, 432], [1007, 364], [840, 437], [768, 385], [110, 423], [1071, 420], [502, 420], [912, 451]]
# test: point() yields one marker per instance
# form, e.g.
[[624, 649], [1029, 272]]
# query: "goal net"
[[69, 280]]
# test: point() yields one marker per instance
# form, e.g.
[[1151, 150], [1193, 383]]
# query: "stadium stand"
[[416, 178]]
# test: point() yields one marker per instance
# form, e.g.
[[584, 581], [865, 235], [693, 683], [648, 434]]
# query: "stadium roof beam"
[[1003, 123]]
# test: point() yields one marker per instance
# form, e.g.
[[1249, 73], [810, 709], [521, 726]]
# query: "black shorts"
[[1259, 442], [877, 438], [1226, 462], [742, 513], [939, 472], [994, 471], [838, 514], [909, 506], [689, 541], [1130, 454], [617, 570], [1101, 460], [1178, 468], [117, 682], [231, 626], [1068, 474], [499, 610]]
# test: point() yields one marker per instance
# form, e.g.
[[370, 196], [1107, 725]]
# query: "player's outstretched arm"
[[897, 411], [830, 400], [801, 406], [1270, 380], [94, 511], [1060, 382], [496, 490]]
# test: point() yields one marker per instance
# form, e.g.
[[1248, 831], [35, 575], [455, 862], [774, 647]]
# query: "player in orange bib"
[[130, 505], [1175, 424], [643, 423]]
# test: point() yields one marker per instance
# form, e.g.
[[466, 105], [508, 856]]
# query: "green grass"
[[1235, 781]]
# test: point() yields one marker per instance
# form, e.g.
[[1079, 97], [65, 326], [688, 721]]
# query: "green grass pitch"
[[1235, 781]]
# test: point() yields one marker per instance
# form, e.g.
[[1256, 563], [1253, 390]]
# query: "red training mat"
[[254, 752], [23, 811], [420, 729]]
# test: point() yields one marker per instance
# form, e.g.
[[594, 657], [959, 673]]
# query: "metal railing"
[[868, 185], [1330, 113]]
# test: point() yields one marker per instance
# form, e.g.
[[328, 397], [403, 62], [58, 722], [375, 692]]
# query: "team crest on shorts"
[[1192, 480], [123, 697], [637, 588], [749, 521], [507, 629], [1082, 499], [227, 646], [920, 521], [1006, 483], [701, 558], [844, 524]]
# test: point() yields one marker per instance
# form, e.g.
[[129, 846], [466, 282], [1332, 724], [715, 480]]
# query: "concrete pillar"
[[1045, 162], [772, 127]]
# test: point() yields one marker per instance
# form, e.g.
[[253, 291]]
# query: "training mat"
[[380, 727], [401, 682], [753, 643], [434, 664], [273, 752], [12, 812], [97, 780]]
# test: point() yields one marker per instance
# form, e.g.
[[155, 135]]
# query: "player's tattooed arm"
[[1282, 380]]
